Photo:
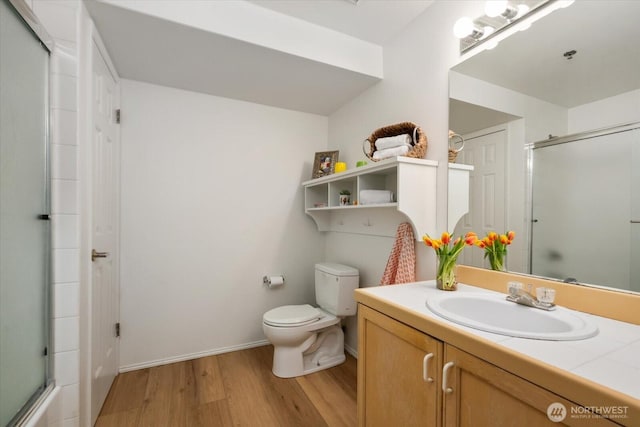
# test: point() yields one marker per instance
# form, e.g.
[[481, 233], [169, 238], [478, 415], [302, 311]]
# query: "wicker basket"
[[418, 139]]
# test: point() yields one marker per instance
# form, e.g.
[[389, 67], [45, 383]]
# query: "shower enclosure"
[[586, 208], [24, 212]]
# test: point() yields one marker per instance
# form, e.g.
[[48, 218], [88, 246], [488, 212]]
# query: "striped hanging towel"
[[401, 266]]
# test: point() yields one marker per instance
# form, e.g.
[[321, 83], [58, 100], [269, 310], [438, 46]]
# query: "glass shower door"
[[24, 231], [581, 210]]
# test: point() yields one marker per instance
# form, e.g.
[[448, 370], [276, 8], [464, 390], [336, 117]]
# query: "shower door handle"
[[635, 221], [95, 254]]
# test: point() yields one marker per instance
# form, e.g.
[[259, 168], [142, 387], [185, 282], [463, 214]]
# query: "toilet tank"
[[335, 284]]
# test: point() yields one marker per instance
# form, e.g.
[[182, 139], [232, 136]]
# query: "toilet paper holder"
[[273, 281]]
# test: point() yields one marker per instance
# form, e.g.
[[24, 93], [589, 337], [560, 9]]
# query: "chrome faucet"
[[543, 301]]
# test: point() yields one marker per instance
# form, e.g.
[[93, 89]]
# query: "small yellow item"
[[340, 167]]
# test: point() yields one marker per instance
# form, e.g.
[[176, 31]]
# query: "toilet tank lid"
[[337, 269]]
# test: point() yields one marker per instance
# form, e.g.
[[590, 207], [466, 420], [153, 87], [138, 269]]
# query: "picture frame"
[[324, 163]]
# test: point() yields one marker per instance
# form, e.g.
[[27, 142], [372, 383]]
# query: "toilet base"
[[321, 350], [329, 362]]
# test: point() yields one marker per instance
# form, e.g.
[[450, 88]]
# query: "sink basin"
[[493, 313]]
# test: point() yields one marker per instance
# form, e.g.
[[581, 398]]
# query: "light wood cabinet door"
[[481, 394], [398, 373]]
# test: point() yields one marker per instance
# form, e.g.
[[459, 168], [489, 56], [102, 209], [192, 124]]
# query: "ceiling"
[[372, 20], [465, 118], [306, 55], [604, 35]]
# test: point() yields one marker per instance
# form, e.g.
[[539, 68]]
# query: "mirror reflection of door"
[[486, 151]]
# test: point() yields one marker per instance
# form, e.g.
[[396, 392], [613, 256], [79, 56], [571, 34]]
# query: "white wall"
[[415, 88], [211, 202], [60, 20], [616, 110], [541, 118]]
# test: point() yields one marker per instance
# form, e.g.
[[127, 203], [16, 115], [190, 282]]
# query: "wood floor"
[[231, 389]]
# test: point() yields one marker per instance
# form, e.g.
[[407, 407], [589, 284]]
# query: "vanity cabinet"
[[399, 385], [398, 373], [477, 393]]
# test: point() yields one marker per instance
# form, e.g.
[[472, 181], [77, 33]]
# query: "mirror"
[[573, 73]]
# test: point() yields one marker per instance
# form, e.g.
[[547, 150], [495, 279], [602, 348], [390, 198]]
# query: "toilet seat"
[[292, 315]]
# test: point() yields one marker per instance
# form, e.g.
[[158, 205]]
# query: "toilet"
[[307, 339]]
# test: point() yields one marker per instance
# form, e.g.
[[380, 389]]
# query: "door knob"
[[95, 254]]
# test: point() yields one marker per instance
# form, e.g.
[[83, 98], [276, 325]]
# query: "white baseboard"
[[181, 358], [352, 351]]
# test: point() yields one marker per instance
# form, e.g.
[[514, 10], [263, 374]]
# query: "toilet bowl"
[[304, 347], [307, 339]]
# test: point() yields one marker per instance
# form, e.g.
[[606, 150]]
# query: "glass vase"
[[446, 274], [496, 262]]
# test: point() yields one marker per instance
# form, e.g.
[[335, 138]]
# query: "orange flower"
[[436, 244], [457, 241], [470, 233], [471, 239], [446, 238], [495, 247], [427, 241]]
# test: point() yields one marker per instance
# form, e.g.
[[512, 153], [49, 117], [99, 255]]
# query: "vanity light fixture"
[[499, 15], [495, 8], [465, 27]]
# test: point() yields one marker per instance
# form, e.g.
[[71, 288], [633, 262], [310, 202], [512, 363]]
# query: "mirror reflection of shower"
[[586, 208]]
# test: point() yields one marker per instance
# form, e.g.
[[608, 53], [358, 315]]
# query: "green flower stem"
[[496, 261], [446, 271]]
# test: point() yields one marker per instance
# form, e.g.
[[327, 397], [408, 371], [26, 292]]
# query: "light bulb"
[[463, 27], [491, 44], [488, 30], [523, 9], [494, 8], [525, 25]]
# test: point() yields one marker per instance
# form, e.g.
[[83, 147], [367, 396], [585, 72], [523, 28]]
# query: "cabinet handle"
[[445, 371], [425, 368]]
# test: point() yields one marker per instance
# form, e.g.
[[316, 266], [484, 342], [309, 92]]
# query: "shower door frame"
[[46, 41], [604, 131]]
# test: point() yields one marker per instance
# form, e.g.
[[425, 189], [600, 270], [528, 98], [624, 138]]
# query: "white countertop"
[[611, 358]]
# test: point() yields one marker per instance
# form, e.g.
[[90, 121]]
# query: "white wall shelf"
[[412, 182]]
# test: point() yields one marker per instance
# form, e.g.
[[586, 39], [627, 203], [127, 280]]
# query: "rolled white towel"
[[393, 141], [372, 197], [390, 152]]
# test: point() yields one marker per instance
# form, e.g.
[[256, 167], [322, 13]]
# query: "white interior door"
[[104, 272], [486, 151]]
